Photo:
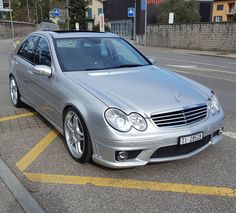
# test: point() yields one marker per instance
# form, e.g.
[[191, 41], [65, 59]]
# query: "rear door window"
[[27, 49]]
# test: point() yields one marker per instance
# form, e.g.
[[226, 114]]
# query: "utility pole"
[[36, 11], [135, 10], [12, 27], [27, 1], [67, 13]]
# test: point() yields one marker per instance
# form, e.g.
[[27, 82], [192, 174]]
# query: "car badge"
[[177, 97]]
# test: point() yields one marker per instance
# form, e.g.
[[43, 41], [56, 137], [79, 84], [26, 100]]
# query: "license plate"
[[190, 138]]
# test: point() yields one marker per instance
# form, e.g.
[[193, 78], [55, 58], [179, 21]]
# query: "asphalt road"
[[74, 187]]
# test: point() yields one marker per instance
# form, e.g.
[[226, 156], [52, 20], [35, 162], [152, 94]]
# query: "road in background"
[[86, 187]]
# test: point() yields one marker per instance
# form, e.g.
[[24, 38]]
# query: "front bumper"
[[105, 149]]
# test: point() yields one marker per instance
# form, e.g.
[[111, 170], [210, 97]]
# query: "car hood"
[[146, 89]]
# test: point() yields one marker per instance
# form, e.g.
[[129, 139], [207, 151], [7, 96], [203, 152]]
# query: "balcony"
[[232, 9], [231, 12]]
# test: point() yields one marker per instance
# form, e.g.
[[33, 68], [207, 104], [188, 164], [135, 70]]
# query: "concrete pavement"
[[8, 203]]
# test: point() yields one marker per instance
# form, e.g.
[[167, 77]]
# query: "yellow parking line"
[[13, 117], [132, 184], [36, 151]]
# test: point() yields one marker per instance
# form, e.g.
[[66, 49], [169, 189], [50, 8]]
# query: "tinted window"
[[27, 49], [42, 53], [79, 54]]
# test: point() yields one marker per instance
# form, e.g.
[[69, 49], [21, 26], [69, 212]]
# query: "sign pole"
[[12, 27]]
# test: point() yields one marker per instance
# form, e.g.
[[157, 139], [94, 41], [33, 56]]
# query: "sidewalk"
[[184, 51]]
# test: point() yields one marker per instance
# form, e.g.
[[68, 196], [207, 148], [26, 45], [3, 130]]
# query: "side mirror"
[[152, 60], [42, 70]]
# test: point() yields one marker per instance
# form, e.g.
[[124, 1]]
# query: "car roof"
[[77, 34]]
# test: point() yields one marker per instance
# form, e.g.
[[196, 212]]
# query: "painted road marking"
[[36, 151], [132, 184], [230, 134], [201, 69], [204, 76], [114, 182], [13, 117], [192, 62]]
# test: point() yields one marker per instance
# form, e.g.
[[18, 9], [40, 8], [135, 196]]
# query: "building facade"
[[116, 15], [117, 18], [95, 8], [224, 10]]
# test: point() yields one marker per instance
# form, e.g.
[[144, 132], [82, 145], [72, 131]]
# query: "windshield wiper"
[[129, 65], [126, 65], [115, 67], [91, 69]]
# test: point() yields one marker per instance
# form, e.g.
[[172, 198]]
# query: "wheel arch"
[[68, 106]]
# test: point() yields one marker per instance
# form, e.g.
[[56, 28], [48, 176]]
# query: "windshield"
[[81, 54]]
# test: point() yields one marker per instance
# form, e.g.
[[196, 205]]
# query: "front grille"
[[177, 150], [181, 117]]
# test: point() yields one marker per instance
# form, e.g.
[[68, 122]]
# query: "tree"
[[46, 9], [185, 11], [77, 11]]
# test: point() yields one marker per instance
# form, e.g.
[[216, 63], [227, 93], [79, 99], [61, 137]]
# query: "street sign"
[[56, 12], [131, 12], [77, 26], [143, 4], [171, 18]]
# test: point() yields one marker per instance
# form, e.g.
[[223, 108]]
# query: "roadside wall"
[[201, 36], [20, 29]]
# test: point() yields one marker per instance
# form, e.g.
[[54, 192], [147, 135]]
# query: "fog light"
[[122, 156], [220, 131]]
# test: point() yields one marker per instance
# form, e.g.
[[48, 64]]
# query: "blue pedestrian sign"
[[56, 12], [131, 12]]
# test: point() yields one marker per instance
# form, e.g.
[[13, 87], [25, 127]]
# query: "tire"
[[14, 93], [76, 136]]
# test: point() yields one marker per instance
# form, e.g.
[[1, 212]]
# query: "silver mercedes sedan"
[[110, 102]]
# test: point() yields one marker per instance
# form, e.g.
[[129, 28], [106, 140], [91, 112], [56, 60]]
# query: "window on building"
[[90, 15], [217, 18], [220, 7], [100, 11], [232, 7]]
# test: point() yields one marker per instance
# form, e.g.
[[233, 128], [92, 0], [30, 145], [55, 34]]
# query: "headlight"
[[122, 122], [137, 121], [118, 119], [213, 104]]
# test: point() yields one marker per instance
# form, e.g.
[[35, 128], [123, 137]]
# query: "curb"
[[21, 194]]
